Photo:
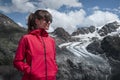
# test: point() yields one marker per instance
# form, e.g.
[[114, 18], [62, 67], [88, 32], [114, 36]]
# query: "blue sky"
[[66, 13]]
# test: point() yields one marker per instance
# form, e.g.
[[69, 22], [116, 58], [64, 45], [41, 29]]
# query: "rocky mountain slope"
[[80, 56], [105, 46], [10, 33]]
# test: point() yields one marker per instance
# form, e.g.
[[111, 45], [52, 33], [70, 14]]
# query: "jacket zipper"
[[45, 58]]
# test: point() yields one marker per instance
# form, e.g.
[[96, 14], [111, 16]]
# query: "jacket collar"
[[38, 32]]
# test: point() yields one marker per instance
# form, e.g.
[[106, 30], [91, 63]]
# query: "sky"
[[69, 14]]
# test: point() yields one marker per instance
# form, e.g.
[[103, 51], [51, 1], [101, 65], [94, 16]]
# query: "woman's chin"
[[46, 28]]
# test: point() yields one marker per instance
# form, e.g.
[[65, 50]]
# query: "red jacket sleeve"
[[19, 60]]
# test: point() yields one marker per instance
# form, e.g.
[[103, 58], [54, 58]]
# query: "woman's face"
[[43, 24]]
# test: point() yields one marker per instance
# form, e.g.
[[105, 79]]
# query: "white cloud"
[[100, 18], [21, 6], [55, 4], [68, 21], [5, 9], [96, 8], [115, 10], [24, 6]]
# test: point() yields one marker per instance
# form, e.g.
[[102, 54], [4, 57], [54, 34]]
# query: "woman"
[[35, 55]]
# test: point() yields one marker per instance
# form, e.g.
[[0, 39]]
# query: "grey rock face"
[[108, 28], [108, 48], [84, 30]]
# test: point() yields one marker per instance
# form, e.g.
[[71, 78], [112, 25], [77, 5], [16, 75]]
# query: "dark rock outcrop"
[[111, 45], [108, 28], [61, 36], [95, 48], [84, 30], [108, 48], [61, 33]]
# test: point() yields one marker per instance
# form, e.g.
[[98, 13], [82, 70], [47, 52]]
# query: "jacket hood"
[[40, 32]]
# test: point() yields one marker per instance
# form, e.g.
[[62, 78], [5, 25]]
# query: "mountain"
[[6, 20], [103, 31], [99, 62], [88, 54], [10, 33]]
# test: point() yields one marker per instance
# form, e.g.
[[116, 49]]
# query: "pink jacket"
[[35, 55]]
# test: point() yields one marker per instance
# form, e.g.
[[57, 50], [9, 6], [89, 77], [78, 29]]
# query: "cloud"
[[5, 9], [24, 6], [96, 8], [100, 18], [114, 10], [117, 10], [68, 21], [54, 4], [21, 6]]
